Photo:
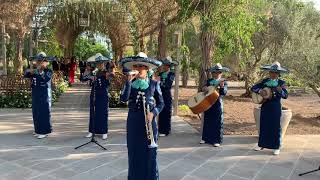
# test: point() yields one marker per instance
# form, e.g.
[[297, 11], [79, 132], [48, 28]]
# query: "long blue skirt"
[[41, 108], [213, 124], [165, 120], [142, 160], [270, 129], [99, 120]]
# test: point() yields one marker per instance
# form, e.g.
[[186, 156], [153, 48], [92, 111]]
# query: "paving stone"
[[179, 156], [22, 173], [102, 172], [269, 176], [28, 162], [121, 176], [46, 165], [80, 167], [12, 155], [178, 169], [210, 170], [232, 177], [276, 170], [244, 171], [64, 173], [311, 176], [191, 178], [306, 164], [121, 164], [45, 177], [8, 167]]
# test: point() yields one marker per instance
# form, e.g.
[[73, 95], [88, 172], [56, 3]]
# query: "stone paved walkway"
[[180, 156]]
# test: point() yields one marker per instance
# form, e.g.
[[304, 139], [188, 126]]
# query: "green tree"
[[301, 49], [226, 27], [50, 45], [84, 49]]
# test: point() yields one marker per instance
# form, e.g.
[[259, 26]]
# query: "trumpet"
[[148, 124], [133, 72]]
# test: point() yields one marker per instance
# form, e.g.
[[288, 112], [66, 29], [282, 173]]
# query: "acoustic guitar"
[[202, 101], [258, 98]]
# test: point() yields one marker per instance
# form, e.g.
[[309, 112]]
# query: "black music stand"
[[93, 140], [308, 172]]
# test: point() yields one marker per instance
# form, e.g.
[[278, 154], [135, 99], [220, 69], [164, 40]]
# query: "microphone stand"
[[93, 140], [310, 172]]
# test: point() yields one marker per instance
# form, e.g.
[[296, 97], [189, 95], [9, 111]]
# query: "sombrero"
[[275, 67], [42, 57], [98, 58], [218, 68], [141, 58], [168, 61]]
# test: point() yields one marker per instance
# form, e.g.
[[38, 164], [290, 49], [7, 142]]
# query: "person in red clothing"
[[72, 69]]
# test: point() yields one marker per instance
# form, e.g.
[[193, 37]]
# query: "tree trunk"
[[247, 80], [150, 46], [142, 46], [66, 34], [185, 77], [162, 41], [315, 89], [206, 48], [69, 44], [118, 54], [68, 51], [19, 60], [185, 70], [251, 76]]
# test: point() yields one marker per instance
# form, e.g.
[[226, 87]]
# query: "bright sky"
[[316, 2]]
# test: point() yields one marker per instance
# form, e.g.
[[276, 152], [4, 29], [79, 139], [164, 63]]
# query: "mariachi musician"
[[41, 95], [270, 129], [145, 103], [212, 132], [166, 77], [99, 98]]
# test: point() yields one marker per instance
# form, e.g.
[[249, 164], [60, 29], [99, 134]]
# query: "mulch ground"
[[238, 113]]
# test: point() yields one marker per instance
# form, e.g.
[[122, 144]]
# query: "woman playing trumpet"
[[140, 90], [212, 132]]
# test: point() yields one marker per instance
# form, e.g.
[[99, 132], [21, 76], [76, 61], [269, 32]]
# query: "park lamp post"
[[177, 40], [4, 39], [31, 44]]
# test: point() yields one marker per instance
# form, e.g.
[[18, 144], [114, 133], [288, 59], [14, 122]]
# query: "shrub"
[[23, 99], [114, 100], [18, 99], [292, 81], [60, 88], [184, 109]]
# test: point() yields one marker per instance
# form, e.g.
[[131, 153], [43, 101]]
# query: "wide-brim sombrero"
[[275, 67], [98, 58], [218, 68], [42, 57], [142, 59], [168, 61]]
